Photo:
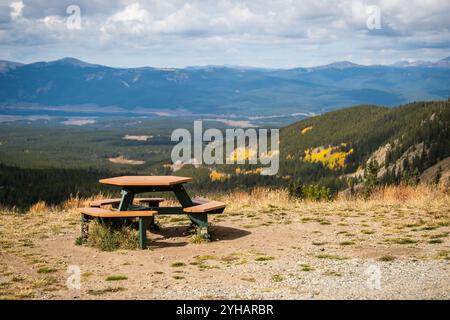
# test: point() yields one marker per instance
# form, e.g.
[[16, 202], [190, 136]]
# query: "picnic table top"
[[144, 181]]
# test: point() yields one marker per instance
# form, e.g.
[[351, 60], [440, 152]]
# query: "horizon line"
[[231, 66]]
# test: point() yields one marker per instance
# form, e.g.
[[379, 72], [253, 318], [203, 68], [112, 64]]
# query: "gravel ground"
[[357, 279]]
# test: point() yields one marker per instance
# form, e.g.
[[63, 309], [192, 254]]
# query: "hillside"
[[71, 85], [361, 133]]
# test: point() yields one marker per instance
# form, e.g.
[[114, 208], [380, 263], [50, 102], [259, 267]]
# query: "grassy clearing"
[[346, 243], [235, 258], [264, 258], [116, 278], [444, 254], [386, 258], [178, 264], [332, 274], [403, 241], [330, 256], [100, 292], [306, 268], [277, 277], [248, 279], [205, 258], [202, 262], [46, 270]]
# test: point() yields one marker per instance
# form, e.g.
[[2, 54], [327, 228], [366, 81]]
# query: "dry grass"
[[38, 208], [255, 199], [262, 197], [411, 194]]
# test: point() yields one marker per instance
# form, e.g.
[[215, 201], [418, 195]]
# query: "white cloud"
[[272, 32], [132, 18], [52, 21], [231, 51], [17, 8], [132, 12]]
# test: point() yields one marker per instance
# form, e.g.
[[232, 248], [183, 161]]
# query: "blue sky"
[[264, 33]]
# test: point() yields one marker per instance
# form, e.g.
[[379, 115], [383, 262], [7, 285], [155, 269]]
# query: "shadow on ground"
[[165, 236], [227, 233]]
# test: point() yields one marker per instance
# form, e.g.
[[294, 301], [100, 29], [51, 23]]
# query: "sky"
[[263, 33]]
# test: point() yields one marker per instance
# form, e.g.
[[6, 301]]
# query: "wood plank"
[[145, 181], [105, 202], [103, 213], [147, 200], [205, 207], [198, 201]]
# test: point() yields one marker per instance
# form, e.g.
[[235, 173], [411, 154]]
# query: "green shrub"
[[298, 190], [79, 241], [109, 238], [200, 235]]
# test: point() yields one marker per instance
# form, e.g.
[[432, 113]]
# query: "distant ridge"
[[70, 82], [445, 62], [338, 65], [5, 65]]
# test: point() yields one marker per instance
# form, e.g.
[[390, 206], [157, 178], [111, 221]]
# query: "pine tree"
[[371, 180]]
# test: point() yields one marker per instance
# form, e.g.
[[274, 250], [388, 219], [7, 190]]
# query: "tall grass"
[[406, 193], [261, 197], [108, 238]]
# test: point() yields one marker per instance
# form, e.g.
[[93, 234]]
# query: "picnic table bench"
[[151, 202], [144, 209]]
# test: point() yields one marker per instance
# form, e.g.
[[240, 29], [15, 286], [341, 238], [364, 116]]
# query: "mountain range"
[[71, 84]]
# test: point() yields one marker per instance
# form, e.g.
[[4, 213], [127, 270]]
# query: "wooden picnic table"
[[129, 206], [132, 185]]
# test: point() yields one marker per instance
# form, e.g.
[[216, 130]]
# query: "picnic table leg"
[[182, 196], [126, 201], [153, 225], [144, 223], [84, 229], [198, 219]]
